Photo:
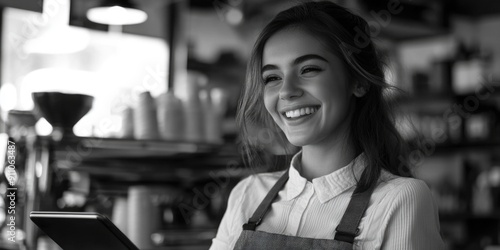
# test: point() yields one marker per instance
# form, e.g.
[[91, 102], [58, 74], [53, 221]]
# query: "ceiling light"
[[234, 16], [117, 12]]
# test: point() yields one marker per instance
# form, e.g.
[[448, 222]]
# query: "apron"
[[346, 231]]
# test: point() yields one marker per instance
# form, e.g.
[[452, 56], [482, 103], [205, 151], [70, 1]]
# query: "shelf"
[[188, 169], [190, 237], [8, 245], [97, 148], [468, 146], [405, 30], [451, 217], [435, 103], [128, 160], [448, 98]]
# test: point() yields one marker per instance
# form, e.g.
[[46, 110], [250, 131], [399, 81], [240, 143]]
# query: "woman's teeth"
[[300, 112]]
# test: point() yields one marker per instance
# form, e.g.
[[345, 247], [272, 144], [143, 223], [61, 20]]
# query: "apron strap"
[[261, 211], [348, 229]]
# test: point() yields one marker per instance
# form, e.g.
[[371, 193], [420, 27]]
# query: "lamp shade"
[[117, 12]]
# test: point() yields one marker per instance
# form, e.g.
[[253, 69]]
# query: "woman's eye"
[[270, 79], [309, 69]]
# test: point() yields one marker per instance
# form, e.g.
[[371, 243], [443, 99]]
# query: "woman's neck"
[[321, 160]]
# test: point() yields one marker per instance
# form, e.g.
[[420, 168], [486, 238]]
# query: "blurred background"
[[130, 112]]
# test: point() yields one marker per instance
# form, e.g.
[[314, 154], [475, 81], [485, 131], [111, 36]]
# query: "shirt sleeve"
[[413, 222], [230, 226]]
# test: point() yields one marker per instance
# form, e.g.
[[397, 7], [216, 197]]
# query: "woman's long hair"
[[372, 127]]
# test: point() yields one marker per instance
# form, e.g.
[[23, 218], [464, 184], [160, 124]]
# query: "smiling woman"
[[304, 74], [350, 187]]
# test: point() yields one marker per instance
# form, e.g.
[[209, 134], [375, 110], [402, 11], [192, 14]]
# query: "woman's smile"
[[297, 113]]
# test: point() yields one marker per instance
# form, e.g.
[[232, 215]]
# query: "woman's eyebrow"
[[304, 58], [268, 67], [297, 60]]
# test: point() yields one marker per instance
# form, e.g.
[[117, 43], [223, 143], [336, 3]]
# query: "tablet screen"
[[81, 231]]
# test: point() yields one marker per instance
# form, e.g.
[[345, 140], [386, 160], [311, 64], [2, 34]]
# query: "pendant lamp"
[[117, 12]]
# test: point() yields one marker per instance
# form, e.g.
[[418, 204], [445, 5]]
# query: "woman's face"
[[307, 89]]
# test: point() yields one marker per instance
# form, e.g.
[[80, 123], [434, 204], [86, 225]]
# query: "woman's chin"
[[298, 141]]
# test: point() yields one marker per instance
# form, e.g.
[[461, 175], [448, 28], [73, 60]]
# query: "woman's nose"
[[290, 89]]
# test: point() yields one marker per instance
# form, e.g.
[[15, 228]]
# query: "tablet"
[[81, 230]]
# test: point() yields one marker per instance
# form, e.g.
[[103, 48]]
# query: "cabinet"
[[186, 184]]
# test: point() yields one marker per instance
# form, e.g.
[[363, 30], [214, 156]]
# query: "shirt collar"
[[328, 186]]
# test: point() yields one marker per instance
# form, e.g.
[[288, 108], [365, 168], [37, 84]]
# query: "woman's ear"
[[360, 90]]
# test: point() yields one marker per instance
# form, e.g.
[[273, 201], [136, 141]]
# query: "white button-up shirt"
[[401, 214]]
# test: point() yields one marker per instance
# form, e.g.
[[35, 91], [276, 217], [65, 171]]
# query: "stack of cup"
[[120, 214], [193, 111], [213, 131], [127, 123], [145, 120], [170, 117], [143, 216]]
